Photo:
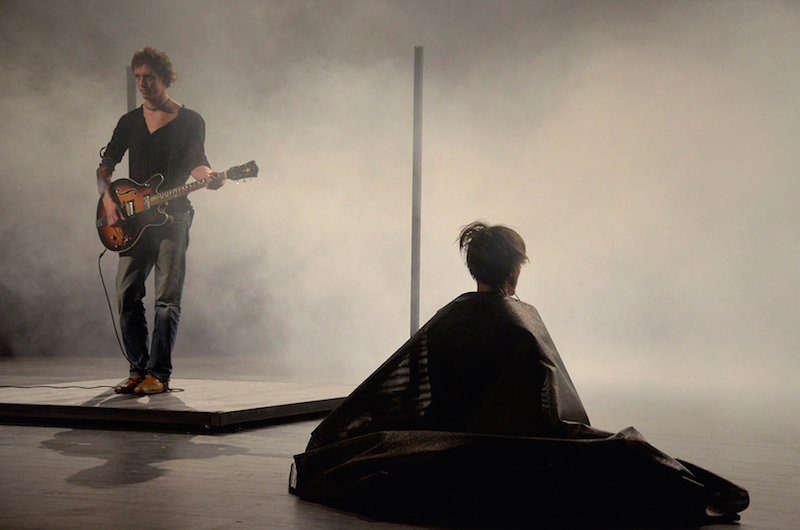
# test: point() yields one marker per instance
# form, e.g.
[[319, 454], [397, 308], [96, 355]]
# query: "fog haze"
[[645, 151]]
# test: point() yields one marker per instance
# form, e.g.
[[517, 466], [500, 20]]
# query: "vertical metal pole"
[[131, 89], [416, 206], [131, 80]]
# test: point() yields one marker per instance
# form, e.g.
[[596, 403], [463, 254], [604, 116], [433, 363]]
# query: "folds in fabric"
[[484, 363], [476, 422], [478, 480]]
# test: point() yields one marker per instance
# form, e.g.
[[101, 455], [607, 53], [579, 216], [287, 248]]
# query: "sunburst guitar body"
[[143, 206]]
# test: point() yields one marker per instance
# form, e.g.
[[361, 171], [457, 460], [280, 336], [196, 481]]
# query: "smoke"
[[644, 150]]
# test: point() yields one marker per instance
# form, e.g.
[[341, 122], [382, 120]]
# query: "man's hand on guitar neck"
[[214, 180]]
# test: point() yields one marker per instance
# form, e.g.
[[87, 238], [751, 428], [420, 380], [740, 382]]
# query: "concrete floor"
[[55, 477]]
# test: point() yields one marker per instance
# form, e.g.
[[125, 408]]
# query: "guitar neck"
[[174, 193]]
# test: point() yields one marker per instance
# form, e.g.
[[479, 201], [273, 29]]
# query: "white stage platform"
[[192, 404]]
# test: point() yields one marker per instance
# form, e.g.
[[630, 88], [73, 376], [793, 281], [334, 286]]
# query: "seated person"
[[475, 421]]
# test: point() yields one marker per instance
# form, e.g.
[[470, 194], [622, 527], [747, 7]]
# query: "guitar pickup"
[[130, 208]]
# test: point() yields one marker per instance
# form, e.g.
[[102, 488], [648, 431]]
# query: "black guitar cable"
[[116, 332], [111, 311]]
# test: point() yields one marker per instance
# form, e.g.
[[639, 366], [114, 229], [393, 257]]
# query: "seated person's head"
[[494, 255]]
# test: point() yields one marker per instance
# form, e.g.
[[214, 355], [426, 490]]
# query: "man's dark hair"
[[158, 61], [494, 254]]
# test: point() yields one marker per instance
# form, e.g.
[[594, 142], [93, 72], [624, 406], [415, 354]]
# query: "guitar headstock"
[[245, 171]]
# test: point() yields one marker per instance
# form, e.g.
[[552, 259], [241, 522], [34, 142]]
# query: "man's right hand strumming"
[[114, 214]]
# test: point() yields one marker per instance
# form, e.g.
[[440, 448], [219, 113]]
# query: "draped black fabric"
[[475, 421]]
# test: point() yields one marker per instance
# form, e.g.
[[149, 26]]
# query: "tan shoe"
[[128, 386], [151, 385]]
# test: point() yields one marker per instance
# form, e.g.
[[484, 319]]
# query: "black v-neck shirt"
[[173, 150]]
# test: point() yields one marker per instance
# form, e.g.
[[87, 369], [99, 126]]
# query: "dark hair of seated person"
[[494, 256]]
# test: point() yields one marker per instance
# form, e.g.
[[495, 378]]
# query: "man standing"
[[162, 136]]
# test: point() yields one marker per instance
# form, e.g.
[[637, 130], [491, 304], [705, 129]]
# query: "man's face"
[[150, 84]]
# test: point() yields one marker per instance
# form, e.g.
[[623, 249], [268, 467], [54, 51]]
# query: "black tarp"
[[475, 421]]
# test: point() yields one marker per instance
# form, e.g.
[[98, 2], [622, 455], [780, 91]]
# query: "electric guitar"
[[143, 205]]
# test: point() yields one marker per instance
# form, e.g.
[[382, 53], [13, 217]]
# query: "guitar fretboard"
[[174, 193]]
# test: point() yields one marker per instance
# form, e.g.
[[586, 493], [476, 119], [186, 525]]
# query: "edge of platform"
[[181, 420]]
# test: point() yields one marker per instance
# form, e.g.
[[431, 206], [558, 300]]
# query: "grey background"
[[645, 150]]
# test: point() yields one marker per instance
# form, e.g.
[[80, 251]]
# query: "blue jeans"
[[163, 248]]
